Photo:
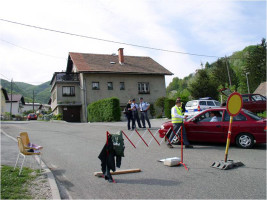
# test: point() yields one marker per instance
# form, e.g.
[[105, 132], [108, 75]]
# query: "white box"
[[172, 161]]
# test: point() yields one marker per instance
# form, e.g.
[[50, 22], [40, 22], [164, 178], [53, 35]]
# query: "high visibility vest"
[[177, 120]]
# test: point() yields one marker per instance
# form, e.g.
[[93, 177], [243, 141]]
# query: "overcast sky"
[[206, 27]]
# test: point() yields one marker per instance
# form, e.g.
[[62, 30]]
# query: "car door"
[[247, 104], [201, 129], [258, 103], [239, 123]]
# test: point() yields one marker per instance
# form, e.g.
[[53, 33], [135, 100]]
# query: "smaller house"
[[16, 101], [4, 98], [261, 89], [29, 106]]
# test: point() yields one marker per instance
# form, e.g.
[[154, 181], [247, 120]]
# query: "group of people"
[[132, 113]]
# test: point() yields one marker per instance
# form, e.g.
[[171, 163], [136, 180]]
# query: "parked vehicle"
[[247, 128], [253, 102], [196, 106], [32, 116]]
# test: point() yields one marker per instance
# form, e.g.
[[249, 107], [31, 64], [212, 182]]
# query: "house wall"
[[28, 107], [156, 84], [68, 99], [15, 108]]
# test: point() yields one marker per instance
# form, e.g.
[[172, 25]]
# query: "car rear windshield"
[[191, 104], [252, 115]]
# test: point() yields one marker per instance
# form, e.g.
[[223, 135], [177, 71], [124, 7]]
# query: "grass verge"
[[14, 186]]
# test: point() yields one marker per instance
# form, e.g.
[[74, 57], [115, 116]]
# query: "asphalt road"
[[71, 151]]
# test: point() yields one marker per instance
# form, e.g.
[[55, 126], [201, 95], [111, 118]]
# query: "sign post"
[[234, 106]]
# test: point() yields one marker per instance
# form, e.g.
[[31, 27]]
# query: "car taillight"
[[198, 108]]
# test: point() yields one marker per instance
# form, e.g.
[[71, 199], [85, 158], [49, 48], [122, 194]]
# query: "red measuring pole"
[[141, 137], [128, 139], [153, 136]]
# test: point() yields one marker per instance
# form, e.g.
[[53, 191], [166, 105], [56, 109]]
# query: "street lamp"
[[247, 81]]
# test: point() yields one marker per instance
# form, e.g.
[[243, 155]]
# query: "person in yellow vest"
[[177, 121]]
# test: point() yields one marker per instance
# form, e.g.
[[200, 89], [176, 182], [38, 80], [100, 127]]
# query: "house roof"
[[101, 63], [5, 93], [16, 98], [261, 89]]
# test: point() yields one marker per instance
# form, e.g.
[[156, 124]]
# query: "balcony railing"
[[67, 77]]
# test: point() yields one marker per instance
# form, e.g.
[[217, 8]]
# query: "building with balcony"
[[91, 77]]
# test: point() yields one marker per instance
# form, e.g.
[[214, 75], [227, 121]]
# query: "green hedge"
[[105, 110], [168, 104]]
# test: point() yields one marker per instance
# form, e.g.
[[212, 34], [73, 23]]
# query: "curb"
[[50, 176]]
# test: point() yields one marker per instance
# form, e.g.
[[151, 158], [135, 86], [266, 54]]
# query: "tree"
[[219, 73], [202, 86], [160, 103], [256, 66]]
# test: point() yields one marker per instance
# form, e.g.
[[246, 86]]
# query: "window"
[[239, 117], [143, 88], [210, 103], [68, 91], [207, 116], [202, 103], [245, 98], [122, 86], [257, 98], [110, 86], [217, 103], [95, 85]]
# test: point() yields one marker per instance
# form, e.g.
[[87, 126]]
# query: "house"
[[16, 101], [4, 98], [91, 77], [29, 106], [261, 89]]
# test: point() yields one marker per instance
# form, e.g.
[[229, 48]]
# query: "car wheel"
[[245, 140], [176, 140]]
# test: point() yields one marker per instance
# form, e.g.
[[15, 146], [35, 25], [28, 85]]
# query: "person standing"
[[129, 115], [177, 121], [134, 108], [144, 106]]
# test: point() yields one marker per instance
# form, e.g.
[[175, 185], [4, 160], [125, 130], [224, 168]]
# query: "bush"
[[104, 110], [152, 111], [57, 117], [168, 104]]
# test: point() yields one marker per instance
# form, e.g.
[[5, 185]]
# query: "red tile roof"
[[100, 63]]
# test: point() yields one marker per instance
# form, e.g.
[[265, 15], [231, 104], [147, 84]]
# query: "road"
[[71, 151]]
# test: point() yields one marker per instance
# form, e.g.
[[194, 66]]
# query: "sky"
[[214, 28]]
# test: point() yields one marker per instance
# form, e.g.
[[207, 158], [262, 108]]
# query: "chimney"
[[121, 56]]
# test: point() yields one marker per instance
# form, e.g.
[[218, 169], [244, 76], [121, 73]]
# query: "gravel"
[[39, 188]]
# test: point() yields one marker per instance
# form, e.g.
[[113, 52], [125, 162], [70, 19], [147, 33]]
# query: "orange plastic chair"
[[23, 152], [26, 142]]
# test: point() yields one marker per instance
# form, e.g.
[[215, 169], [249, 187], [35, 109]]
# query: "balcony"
[[63, 77]]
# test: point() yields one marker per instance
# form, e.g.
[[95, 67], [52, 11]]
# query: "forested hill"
[[41, 92], [249, 62]]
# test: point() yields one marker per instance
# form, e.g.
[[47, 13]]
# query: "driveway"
[[71, 151]]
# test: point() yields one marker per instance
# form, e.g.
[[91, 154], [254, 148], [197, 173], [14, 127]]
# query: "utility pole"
[[33, 101], [228, 72], [11, 98], [247, 81]]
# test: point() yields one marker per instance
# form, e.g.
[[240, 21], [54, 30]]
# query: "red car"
[[247, 128], [32, 116], [252, 102]]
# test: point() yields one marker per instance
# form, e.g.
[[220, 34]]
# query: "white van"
[[196, 106]]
